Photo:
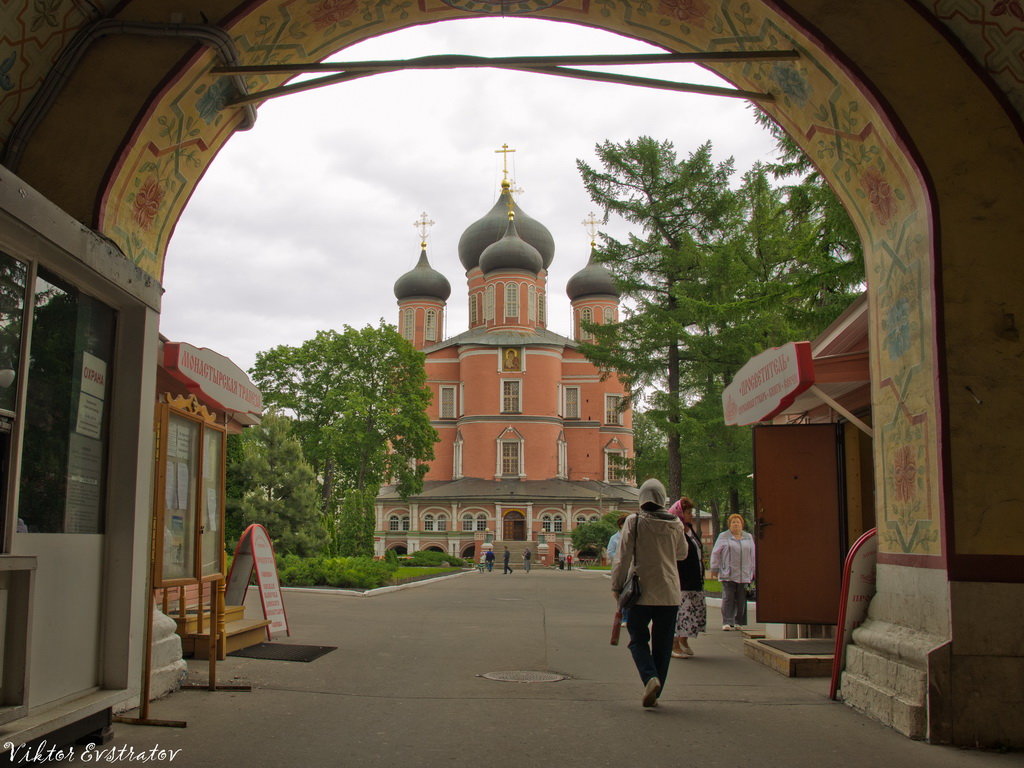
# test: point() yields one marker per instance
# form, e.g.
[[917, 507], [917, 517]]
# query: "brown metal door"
[[798, 504], [514, 528]]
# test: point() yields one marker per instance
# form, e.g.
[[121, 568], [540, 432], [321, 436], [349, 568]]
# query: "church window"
[[457, 460], [430, 325], [616, 468], [510, 396], [442, 522], [545, 523], [510, 452], [394, 522], [447, 403], [571, 404], [612, 409], [489, 303], [562, 458], [467, 522], [586, 316], [409, 324], [481, 522], [428, 522], [512, 300], [607, 316], [541, 308], [557, 524], [531, 298], [405, 523], [473, 309]]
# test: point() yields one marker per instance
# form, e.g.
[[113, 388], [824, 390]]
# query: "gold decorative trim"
[[189, 404]]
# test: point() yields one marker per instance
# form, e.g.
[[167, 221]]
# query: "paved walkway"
[[404, 689]]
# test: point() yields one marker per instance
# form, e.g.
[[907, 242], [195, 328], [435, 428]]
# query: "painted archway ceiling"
[[124, 143]]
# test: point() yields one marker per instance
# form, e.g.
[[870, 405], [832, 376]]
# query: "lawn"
[[408, 573]]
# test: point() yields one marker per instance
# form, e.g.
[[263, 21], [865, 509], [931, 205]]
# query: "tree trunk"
[[675, 480]]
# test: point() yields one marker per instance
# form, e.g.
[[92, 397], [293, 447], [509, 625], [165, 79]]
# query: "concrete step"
[[788, 663]]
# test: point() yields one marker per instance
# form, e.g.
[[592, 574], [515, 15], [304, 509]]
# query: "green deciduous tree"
[[595, 535], [276, 487], [359, 400]]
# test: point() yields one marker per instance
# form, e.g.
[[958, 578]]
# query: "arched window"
[[562, 457], [542, 308], [409, 324], [557, 523], [457, 460], [607, 316], [405, 522], [394, 523], [512, 300], [586, 316], [428, 522], [430, 325], [481, 522], [474, 309], [467, 522], [531, 298], [489, 303], [442, 523], [545, 522]]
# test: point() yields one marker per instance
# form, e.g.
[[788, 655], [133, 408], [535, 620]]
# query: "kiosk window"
[[63, 479], [12, 311]]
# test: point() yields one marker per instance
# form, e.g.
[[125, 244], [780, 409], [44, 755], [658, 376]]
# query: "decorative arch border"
[[835, 119]]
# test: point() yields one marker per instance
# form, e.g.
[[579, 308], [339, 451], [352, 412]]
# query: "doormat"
[[809, 647], [283, 652]]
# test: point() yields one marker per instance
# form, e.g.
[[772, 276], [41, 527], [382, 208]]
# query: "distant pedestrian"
[[653, 541], [504, 558], [732, 562], [561, 561], [489, 558], [568, 562], [693, 610], [527, 558]]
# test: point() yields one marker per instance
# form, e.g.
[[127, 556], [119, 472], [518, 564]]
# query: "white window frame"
[[607, 316], [502, 445], [489, 302], [531, 299], [468, 522], [512, 300], [405, 522], [542, 307], [557, 524], [505, 396], [612, 415], [409, 323], [614, 475], [428, 522], [567, 412], [451, 410], [430, 325], [442, 522], [563, 458], [394, 522], [457, 459], [586, 315], [481, 522], [545, 523], [474, 309]]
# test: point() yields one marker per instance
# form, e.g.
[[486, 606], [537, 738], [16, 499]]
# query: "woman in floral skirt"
[[692, 618]]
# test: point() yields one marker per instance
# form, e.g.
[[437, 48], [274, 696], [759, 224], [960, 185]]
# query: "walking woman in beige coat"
[[652, 542]]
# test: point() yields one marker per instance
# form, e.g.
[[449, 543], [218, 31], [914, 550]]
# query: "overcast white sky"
[[305, 222]]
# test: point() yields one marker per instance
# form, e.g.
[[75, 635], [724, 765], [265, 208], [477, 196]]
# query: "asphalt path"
[[405, 688]]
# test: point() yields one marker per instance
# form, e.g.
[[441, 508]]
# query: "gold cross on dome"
[[590, 224], [423, 225], [504, 152]]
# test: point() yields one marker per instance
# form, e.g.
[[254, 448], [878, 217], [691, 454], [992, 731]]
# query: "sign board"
[[768, 383], [255, 551], [214, 379], [857, 591]]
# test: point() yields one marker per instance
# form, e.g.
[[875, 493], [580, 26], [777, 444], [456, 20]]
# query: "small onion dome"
[[594, 279], [511, 252], [491, 227], [423, 280]]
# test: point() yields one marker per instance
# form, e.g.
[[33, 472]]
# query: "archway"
[[513, 526], [935, 191], [399, 549]]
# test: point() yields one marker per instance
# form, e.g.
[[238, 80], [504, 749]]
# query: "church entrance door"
[[514, 528]]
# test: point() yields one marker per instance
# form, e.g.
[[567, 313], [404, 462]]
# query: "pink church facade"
[[531, 435]]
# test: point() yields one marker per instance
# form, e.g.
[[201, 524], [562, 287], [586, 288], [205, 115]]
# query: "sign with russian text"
[[213, 379], [255, 553], [768, 383]]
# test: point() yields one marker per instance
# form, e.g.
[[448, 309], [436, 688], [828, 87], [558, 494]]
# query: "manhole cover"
[[525, 676]]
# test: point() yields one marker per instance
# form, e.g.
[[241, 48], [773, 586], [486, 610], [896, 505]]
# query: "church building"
[[532, 435]]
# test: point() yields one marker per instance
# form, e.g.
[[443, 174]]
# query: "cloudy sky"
[[305, 222]]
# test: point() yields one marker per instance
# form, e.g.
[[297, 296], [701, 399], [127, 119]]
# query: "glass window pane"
[[13, 275], [180, 497], [211, 503], [63, 480]]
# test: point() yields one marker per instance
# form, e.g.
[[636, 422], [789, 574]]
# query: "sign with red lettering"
[[768, 383], [255, 552], [857, 591], [214, 380]]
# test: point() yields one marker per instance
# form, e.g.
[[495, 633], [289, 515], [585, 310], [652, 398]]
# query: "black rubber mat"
[[283, 652], [810, 647]]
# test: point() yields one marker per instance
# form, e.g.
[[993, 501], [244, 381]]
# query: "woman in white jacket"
[[652, 542], [732, 562]]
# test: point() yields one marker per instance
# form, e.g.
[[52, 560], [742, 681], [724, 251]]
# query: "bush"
[[357, 572], [424, 557]]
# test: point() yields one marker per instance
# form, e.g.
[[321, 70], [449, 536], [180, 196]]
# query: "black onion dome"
[[594, 279], [491, 228], [423, 280], [511, 252]]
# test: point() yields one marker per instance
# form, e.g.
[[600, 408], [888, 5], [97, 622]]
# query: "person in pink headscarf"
[[692, 618]]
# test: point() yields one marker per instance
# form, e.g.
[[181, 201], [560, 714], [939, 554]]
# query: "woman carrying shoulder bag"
[[652, 542]]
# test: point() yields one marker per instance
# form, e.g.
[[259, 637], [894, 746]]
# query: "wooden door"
[[514, 528], [799, 507]]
